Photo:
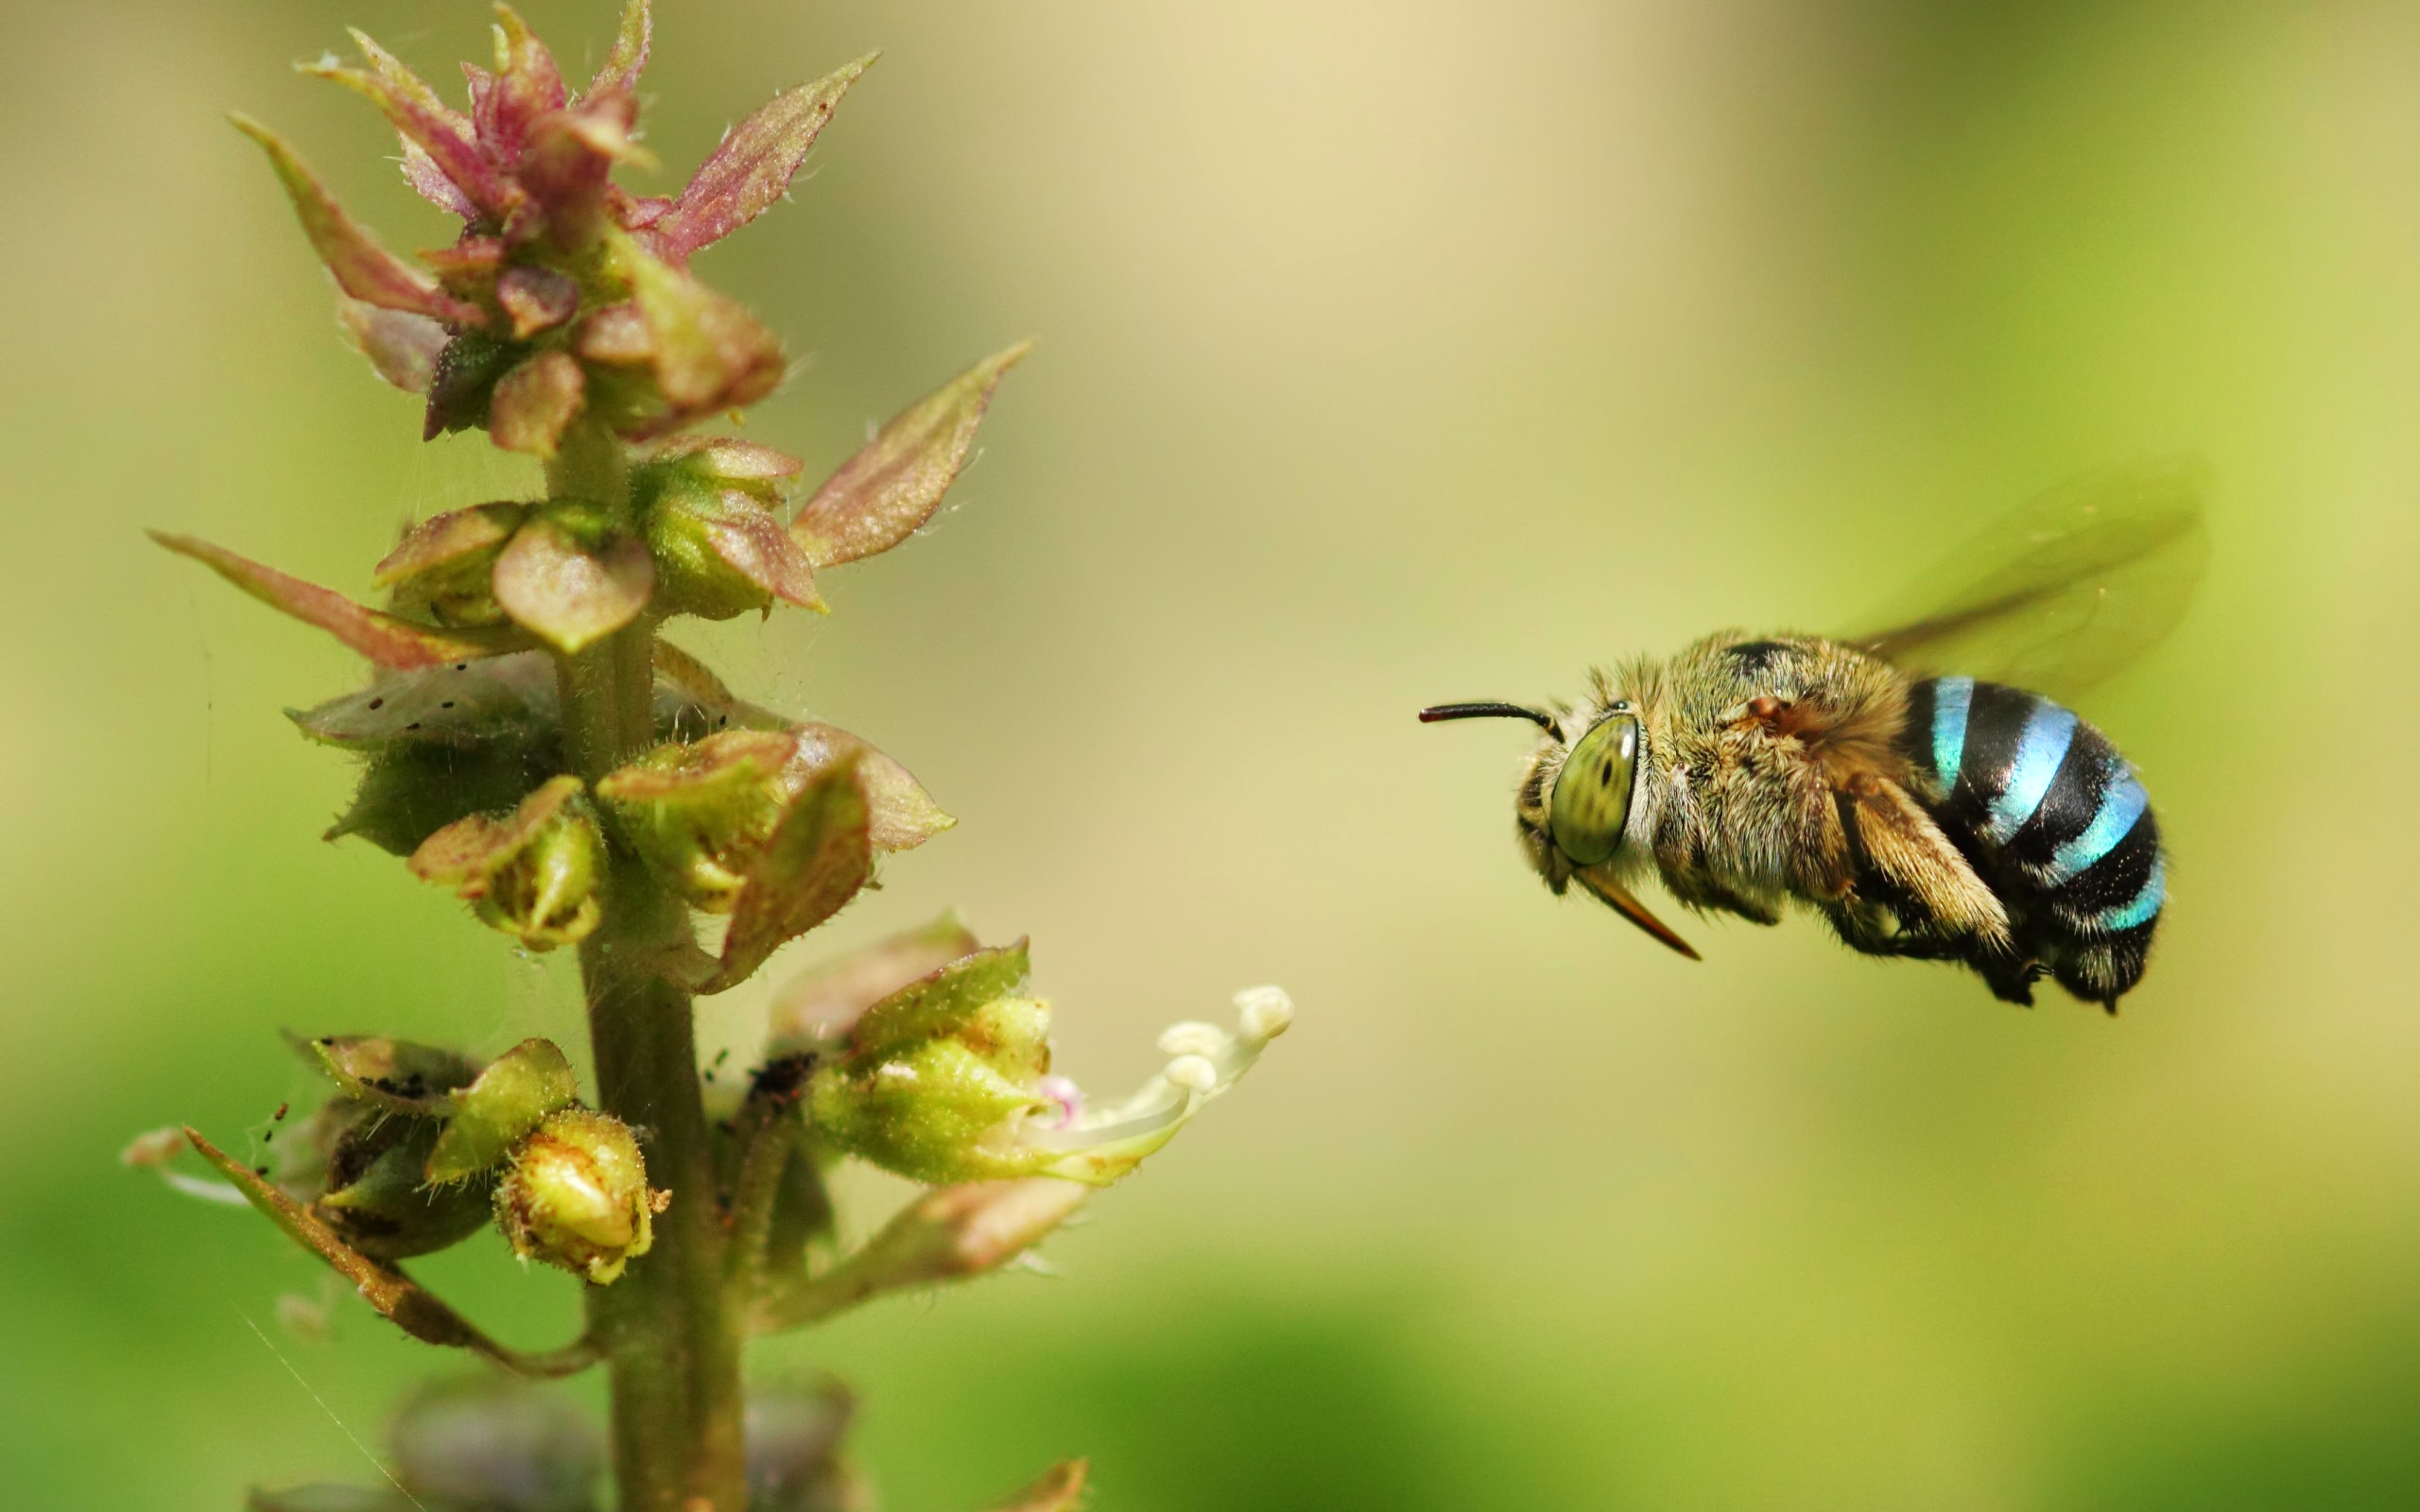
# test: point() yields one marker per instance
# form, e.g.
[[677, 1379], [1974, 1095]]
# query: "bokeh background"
[[1393, 351]]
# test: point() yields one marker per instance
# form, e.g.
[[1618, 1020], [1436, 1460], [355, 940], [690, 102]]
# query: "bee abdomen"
[[2055, 821]]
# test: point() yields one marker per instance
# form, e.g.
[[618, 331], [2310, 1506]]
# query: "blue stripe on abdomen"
[[2122, 803], [2144, 906], [2039, 750], [1951, 697]]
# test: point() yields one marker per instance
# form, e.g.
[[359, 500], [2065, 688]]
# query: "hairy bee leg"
[[1706, 895], [1618, 897], [1899, 843]]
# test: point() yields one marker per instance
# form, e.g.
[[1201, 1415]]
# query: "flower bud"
[[719, 553], [443, 568], [706, 507], [945, 1105], [947, 1080], [698, 812], [370, 1185], [576, 1196], [532, 874]]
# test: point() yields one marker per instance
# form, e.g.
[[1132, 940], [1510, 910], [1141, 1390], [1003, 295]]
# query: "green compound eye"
[[1590, 798]]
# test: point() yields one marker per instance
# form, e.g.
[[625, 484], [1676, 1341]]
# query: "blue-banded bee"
[[1923, 787]]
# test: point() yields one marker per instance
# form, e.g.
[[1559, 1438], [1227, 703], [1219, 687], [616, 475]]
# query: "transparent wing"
[[2072, 586]]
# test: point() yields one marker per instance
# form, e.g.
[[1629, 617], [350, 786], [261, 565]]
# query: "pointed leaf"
[[526, 86], [535, 402], [397, 1297], [566, 593], [629, 54], [412, 109], [428, 181], [396, 1074], [362, 268], [901, 815], [817, 858], [753, 165], [401, 346], [881, 495], [511, 1097], [950, 1233], [382, 638]]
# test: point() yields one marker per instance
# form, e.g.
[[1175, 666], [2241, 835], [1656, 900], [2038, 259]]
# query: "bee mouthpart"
[[1491, 711]]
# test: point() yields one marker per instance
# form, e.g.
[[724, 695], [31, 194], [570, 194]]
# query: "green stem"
[[667, 1329]]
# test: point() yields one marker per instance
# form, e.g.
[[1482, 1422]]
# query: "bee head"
[[1574, 800]]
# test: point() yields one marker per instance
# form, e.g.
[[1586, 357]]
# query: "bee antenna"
[[1491, 711]]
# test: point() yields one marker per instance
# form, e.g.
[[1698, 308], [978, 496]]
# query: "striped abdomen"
[[2054, 820]]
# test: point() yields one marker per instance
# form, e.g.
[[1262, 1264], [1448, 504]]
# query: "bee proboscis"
[[1923, 787]]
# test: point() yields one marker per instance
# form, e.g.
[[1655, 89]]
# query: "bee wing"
[[2076, 583]]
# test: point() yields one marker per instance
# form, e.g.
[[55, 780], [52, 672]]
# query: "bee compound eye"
[[1591, 800]]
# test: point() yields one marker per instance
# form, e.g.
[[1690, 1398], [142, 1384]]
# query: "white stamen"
[[1195, 1074], [1267, 1012], [1192, 1038]]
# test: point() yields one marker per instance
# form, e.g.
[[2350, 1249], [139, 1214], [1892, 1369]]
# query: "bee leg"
[[2010, 974], [1707, 895], [1896, 844]]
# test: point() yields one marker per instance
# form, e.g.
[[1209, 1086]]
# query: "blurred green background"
[[1393, 351]]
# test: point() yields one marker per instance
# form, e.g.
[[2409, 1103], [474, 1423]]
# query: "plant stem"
[[667, 1329]]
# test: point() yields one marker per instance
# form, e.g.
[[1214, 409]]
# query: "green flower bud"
[[944, 1107], [442, 570], [946, 1080], [363, 1169], [706, 507], [699, 812], [532, 874], [576, 1196]]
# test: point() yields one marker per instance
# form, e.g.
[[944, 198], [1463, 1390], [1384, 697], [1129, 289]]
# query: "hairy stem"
[[668, 1333]]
